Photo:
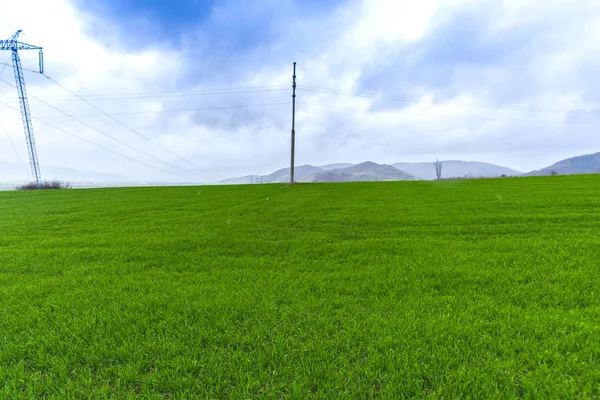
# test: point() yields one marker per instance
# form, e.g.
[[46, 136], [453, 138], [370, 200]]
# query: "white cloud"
[[550, 66]]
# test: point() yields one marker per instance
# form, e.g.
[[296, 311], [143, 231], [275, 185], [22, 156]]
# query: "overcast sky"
[[512, 82]]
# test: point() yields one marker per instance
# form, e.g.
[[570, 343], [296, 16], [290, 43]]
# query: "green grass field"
[[453, 289]]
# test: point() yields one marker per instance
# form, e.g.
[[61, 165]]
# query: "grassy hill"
[[585, 164], [367, 171], [449, 289]]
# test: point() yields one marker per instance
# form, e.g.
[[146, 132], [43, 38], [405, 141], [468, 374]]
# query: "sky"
[[200, 90]]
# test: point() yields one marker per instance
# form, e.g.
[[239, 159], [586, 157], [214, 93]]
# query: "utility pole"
[[14, 45], [293, 125]]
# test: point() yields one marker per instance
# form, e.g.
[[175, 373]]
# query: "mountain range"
[[367, 171], [370, 171], [586, 164], [12, 173]]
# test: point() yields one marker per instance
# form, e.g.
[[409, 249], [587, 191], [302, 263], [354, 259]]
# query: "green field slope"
[[453, 289]]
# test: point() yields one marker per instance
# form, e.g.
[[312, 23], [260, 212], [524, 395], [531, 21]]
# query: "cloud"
[[442, 69]]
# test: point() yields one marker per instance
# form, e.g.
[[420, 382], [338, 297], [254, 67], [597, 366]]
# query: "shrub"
[[45, 185]]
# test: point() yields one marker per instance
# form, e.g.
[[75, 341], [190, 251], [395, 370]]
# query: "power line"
[[5, 65], [315, 89], [2, 72], [447, 116], [24, 69], [132, 129], [163, 95], [170, 111], [276, 88], [99, 145], [14, 147], [104, 133], [192, 91], [173, 111], [12, 143]]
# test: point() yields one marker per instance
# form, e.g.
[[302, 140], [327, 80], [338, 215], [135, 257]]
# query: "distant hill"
[[279, 176], [367, 171], [455, 169], [370, 171], [242, 180], [301, 172], [15, 174], [10, 171], [586, 164], [342, 172], [329, 167]]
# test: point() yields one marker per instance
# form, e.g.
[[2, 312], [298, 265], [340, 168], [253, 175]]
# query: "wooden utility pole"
[[293, 126]]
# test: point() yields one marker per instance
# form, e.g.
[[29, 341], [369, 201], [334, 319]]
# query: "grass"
[[451, 289]]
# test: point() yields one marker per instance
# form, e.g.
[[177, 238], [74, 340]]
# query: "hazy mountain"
[[301, 172], [370, 171], [367, 171], [15, 174], [279, 176], [10, 171], [242, 180], [455, 169], [586, 164], [329, 167], [342, 172]]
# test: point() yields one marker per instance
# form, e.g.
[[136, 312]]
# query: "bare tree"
[[438, 169], [44, 185]]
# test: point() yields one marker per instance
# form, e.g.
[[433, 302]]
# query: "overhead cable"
[[132, 129], [446, 116], [100, 146], [102, 132], [379, 96]]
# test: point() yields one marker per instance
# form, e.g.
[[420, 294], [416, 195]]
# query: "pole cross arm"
[[14, 45]]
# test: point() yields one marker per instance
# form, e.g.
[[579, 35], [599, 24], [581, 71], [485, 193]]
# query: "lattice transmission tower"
[[13, 45]]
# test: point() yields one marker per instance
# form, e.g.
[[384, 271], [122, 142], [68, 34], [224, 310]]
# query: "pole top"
[[15, 37]]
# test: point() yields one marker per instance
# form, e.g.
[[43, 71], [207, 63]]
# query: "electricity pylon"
[[14, 45]]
